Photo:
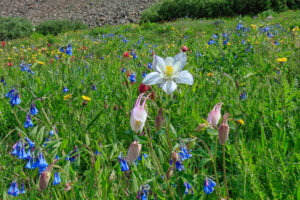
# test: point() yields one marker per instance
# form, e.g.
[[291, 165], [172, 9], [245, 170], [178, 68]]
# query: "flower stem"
[[215, 168], [158, 166], [224, 170], [214, 165]]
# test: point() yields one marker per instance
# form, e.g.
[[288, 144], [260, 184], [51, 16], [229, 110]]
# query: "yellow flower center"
[[169, 70]]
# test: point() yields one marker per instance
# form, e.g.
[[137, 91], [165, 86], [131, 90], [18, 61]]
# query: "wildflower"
[[13, 190], [10, 64], [3, 81], [184, 153], [28, 123], [281, 59], [132, 78], [215, 115], [57, 179], [29, 164], [224, 129], [211, 42], [33, 109], [93, 87], [45, 177], [138, 114], [209, 186], [133, 152], [3, 43], [124, 166], [15, 100], [179, 165], [10, 94], [240, 121], [85, 98], [126, 54], [144, 75], [149, 65], [69, 50], [226, 42], [123, 70], [184, 48], [168, 73], [254, 26], [239, 27], [67, 97], [65, 90], [143, 88], [276, 43], [68, 186], [40, 62], [187, 187], [31, 144], [243, 95], [210, 74], [22, 189]]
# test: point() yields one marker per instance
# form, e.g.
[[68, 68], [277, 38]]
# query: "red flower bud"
[[224, 129], [184, 48], [3, 44], [126, 54]]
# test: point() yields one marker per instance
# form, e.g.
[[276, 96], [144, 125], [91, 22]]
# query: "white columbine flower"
[[168, 73]]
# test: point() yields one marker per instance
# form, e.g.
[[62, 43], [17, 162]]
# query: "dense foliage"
[[14, 27], [59, 26], [172, 9], [72, 96]]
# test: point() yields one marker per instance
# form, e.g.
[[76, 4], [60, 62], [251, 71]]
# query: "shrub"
[[172, 9], [55, 27], [14, 27]]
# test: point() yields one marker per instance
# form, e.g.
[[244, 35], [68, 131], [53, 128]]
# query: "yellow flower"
[[67, 97], [210, 74], [40, 62], [240, 121], [85, 98], [295, 29], [281, 59], [254, 26], [228, 43]]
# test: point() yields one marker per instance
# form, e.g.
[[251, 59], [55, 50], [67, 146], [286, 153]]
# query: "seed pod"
[[174, 156], [224, 129], [133, 152], [159, 120]]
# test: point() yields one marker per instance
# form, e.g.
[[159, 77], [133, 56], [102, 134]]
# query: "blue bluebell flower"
[[224, 35], [62, 50], [239, 27], [13, 190], [209, 186], [149, 65], [3, 81], [270, 35], [15, 100], [187, 187], [29, 164], [124, 166], [243, 95], [28, 123], [184, 153], [211, 42], [179, 165], [276, 43], [42, 161], [65, 90], [35, 163], [57, 179], [132, 78], [144, 74], [22, 189], [123, 70], [243, 42], [33, 109], [69, 50], [10, 94], [215, 36], [57, 157], [93, 86], [225, 42]]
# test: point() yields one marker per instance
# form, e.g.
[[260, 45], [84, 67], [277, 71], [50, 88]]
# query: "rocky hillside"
[[91, 12]]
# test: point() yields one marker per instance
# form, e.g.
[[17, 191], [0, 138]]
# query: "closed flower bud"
[[169, 173], [174, 156], [224, 129], [133, 152], [215, 115], [45, 177], [159, 120], [184, 48], [68, 186]]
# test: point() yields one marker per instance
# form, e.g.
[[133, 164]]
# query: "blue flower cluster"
[[14, 189], [14, 97], [123, 162]]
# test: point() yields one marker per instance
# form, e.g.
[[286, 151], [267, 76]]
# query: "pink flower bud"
[[45, 177], [184, 48], [138, 114], [224, 129], [215, 115], [68, 186], [159, 120], [133, 152]]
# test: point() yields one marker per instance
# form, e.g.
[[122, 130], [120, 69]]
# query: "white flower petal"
[[153, 78], [181, 57], [169, 86], [169, 61], [158, 64], [184, 77]]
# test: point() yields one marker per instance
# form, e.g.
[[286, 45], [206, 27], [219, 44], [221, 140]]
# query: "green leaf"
[[44, 91], [141, 139], [212, 131], [93, 121]]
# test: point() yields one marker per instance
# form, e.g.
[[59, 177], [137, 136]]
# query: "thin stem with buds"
[[224, 170]]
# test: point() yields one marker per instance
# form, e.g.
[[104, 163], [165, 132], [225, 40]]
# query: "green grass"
[[267, 166]]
